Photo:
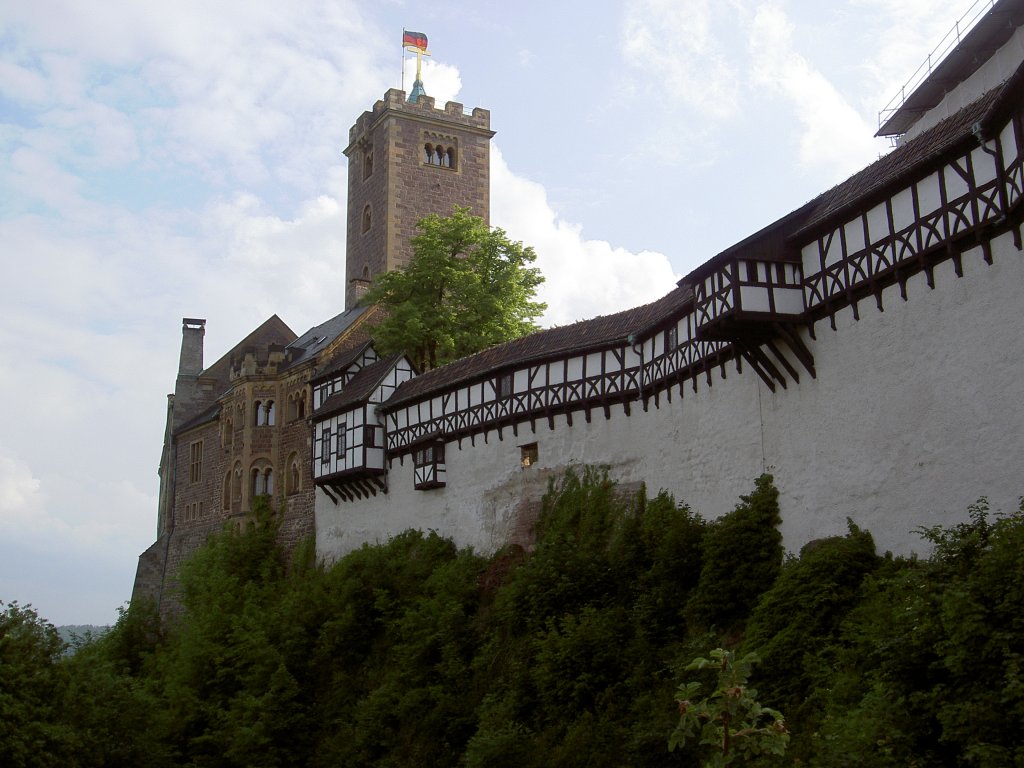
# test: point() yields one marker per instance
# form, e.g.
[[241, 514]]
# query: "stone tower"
[[407, 159]]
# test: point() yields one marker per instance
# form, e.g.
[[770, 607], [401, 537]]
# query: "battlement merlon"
[[478, 121]]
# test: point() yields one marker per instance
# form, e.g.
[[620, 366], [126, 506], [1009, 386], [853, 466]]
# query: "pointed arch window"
[[367, 218]]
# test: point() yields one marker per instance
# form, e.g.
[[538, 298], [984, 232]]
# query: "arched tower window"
[[236, 483], [257, 413], [293, 482], [450, 154], [261, 479], [368, 163], [428, 153], [367, 218], [269, 409]]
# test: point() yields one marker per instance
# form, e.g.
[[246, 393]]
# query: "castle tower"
[[406, 160]]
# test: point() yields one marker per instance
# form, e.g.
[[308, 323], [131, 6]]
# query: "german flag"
[[415, 40]]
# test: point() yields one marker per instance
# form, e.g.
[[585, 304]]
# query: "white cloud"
[[442, 82], [584, 278], [835, 138], [21, 500], [679, 48]]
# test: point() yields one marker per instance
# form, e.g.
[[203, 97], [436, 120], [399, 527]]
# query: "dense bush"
[[416, 653]]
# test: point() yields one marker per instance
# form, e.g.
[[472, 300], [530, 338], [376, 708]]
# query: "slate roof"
[[204, 416], [273, 330], [597, 333], [359, 387], [313, 341]]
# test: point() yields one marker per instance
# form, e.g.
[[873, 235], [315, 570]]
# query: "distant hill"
[[74, 634]]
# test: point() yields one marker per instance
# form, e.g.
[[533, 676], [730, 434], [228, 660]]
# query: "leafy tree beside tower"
[[467, 287]]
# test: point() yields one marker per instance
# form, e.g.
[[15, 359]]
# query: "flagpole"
[[403, 60]]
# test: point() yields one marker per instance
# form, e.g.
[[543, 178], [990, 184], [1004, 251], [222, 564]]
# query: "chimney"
[[191, 361], [187, 397]]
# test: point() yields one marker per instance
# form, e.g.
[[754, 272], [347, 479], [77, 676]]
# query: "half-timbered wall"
[[910, 406], [325, 389], [914, 414], [925, 221], [353, 439]]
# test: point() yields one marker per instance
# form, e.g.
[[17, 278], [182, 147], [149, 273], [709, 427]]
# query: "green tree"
[[31, 683], [730, 721], [466, 288], [742, 556]]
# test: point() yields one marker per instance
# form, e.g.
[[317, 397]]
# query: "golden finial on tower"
[[415, 42]]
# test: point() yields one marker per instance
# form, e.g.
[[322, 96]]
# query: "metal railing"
[[950, 41]]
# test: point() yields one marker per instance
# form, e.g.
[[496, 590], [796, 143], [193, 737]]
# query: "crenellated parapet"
[[394, 101]]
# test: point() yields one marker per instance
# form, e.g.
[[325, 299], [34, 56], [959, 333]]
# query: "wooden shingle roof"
[[597, 333]]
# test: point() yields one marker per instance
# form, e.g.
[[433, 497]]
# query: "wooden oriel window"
[[428, 466]]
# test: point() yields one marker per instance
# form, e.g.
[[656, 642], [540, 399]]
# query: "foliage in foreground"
[[730, 720], [417, 653]]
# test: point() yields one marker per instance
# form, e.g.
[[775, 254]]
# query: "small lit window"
[[528, 455]]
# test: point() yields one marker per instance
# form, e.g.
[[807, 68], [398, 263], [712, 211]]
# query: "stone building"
[[865, 349], [236, 430], [407, 159], [240, 428]]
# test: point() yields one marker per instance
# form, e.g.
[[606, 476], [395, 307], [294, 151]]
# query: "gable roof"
[[771, 242], [359, 387], [271, 331], [340, 362]]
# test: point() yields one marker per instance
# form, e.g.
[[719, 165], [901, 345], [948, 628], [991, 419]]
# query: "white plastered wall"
[[915, 413]]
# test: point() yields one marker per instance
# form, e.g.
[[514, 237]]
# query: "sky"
[[166, 160]]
